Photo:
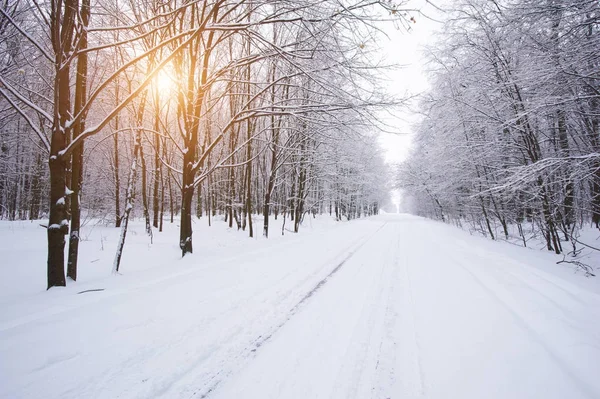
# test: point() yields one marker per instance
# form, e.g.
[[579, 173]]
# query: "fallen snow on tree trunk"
[[387, 307]]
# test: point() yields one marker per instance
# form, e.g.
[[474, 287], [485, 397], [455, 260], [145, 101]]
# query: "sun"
[[164, 82]]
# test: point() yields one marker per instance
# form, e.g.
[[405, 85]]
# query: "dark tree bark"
[[300, 196], [231, 177], [145, 194], [62, 28], [36, 189], [77, 156], [192, 110], [270, 183]]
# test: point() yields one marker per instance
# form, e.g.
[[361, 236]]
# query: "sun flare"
[[164, 82]]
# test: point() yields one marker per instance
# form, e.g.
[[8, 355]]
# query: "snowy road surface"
[[389, 307]]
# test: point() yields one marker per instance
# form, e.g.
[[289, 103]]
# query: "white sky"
[[405, 48]]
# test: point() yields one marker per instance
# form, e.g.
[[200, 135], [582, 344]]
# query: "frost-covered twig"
[[587, 269]]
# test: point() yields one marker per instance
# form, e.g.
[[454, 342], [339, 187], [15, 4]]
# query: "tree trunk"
[[250, 128], [145, 194], [300, 196], [62, 30], [187, 194], [116, 165], [230, 192], [77, 156], [129, 200], [487, 219], [36, 189], [57, 225], [199, 202], [157, 167], [162, 201], [171, 199]]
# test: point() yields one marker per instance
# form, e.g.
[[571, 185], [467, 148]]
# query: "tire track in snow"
[[236, 355], [358, 371], [219, 376], [254, 308], [399, 369], [186, 273], [385, 365], [411, 306]]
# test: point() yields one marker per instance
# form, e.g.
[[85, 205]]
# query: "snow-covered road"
[[389, 307]]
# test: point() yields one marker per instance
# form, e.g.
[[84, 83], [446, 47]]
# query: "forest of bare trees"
[[182, 109], [510, 131]]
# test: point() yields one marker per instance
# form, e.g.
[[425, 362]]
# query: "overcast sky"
[[406, 48]]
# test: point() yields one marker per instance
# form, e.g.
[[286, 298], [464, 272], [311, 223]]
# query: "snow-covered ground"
[[393, 306]]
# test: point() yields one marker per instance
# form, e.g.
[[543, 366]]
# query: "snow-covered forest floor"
[[584, 256], [394, 306]]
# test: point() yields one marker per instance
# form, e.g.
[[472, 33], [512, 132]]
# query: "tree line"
[[509, 134], [188, 108]]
